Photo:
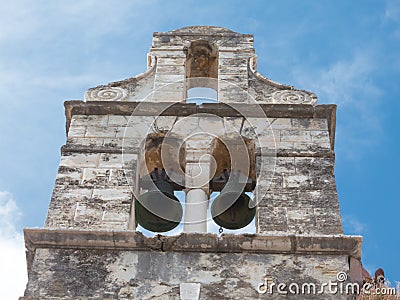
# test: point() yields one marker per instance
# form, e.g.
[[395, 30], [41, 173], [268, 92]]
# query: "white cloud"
[[349, 83], [392, 11], [16, 20], [392, 17], [43, 44], [342, 80], [13, 275], [21, 19]]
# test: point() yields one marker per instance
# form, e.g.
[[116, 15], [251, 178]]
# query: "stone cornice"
[[191, 242]]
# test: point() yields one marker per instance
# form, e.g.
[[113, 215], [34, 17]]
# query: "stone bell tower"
[[132, 207]]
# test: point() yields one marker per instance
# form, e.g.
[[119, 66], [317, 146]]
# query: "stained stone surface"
[[87, 264], [96, 274]]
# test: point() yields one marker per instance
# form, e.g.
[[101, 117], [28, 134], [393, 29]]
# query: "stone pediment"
[[168, 69]]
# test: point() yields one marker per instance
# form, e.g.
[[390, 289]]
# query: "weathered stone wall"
[[97, 274], [92, 189], [301, 196]]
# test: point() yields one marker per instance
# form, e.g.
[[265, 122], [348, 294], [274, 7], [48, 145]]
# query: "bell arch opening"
[[232, 206], [180, 195], [157, 207], [213, 227]]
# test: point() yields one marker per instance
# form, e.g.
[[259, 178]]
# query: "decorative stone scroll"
[[106, 94], [293, 97]]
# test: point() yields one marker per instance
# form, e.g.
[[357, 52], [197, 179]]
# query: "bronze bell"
[[158, 210], [233, 209]]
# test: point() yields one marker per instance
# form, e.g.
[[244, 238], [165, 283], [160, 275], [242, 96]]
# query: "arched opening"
[[202, 65], [158, 207], [175, 231], [234, 178], [201, 95], [213, 227]]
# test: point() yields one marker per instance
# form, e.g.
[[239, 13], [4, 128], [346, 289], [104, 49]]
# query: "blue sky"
[[347, 52]]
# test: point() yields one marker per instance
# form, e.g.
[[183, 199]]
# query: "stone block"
[[79, 120], [69, 176], [108, 160], [294, 135], [165, 96], [234, 55], [212, 125], [316, 166], [280, 123], [232, 125], [170, 61], [114, 143], [272, 219], [133, 132], [95, 176], [311, 148], [100, 132], [165, 52], [122, 177], [86, 142], [168, 69], [119, 121], [168, 78], [189, 290], [121, 194], [164, 123], [320, 136], [115, 212], [87, 214], [97, 120], [310, 124], [76, 131], [240, 70], [83, 160]]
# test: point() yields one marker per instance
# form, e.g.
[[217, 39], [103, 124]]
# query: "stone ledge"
[[68, 149], [191, 242]]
